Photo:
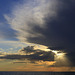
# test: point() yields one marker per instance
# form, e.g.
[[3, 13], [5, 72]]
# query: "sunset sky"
[[37, 35]]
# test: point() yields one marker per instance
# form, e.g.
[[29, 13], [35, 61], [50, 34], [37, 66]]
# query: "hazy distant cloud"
[[1, 49], [12, 44], [6, 32], [1, 53]]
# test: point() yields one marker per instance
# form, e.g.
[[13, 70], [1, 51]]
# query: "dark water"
[[37, 73]]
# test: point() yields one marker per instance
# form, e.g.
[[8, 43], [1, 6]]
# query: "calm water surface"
[[37, 73]]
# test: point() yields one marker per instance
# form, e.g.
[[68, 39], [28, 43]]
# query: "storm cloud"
[[46, 22], [29, 19]]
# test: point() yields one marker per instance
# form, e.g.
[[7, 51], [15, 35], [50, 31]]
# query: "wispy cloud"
[[26, 16], [6, 32]]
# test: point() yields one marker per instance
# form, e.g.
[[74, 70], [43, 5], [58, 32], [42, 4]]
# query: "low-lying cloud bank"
[[31, 54]]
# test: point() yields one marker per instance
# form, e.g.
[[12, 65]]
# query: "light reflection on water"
[[37, 73]]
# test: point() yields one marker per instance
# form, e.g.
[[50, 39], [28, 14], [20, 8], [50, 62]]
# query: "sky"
[[36, 32]]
